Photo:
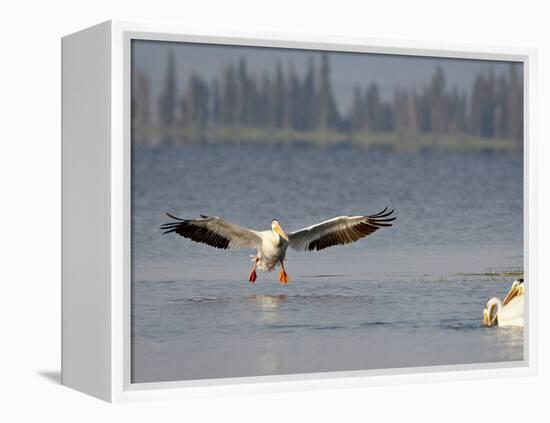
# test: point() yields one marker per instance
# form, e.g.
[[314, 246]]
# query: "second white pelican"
[[271, 245], [508, 312]]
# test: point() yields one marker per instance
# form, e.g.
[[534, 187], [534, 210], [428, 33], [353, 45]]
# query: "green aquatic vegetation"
[[495, 274]]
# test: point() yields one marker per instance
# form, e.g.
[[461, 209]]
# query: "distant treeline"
[[283, 102]]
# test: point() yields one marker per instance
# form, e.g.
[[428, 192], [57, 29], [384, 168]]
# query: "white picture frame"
[[96, 208]]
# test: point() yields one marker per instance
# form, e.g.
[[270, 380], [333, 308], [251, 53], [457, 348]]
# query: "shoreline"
[[394, 141]]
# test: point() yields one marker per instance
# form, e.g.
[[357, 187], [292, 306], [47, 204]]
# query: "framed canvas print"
[[258, 212]]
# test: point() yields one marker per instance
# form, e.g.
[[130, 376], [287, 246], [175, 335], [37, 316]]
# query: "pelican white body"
[[272, 250], [512, 313]]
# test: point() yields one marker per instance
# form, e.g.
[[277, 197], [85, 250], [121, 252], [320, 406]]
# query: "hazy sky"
[[347, 69]]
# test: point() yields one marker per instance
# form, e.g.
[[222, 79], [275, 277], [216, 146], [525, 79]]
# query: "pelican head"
[[490, 311], [276, 227], [516, 289]]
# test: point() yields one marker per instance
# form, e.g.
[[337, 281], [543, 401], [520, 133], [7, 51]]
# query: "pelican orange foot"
[[253, 275], [283, 276]]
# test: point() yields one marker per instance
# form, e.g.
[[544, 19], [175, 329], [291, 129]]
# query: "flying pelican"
[[271, 245], [508, 312]]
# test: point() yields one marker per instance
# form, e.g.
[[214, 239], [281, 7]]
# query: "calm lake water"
[[410, 295]]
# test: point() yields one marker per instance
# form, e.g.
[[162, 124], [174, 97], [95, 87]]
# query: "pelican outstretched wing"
[[213, 231], [339, 231]]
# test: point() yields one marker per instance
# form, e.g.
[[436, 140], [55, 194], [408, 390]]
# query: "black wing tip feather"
[[379, 213], [174, 217], [171, 226], [382, 219], [383, 213]]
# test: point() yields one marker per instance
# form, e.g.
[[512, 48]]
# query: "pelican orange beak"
[[280, 231], [511, 294]]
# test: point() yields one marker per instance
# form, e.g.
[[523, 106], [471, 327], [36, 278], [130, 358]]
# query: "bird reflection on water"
[[269, 359], [269, 305]]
